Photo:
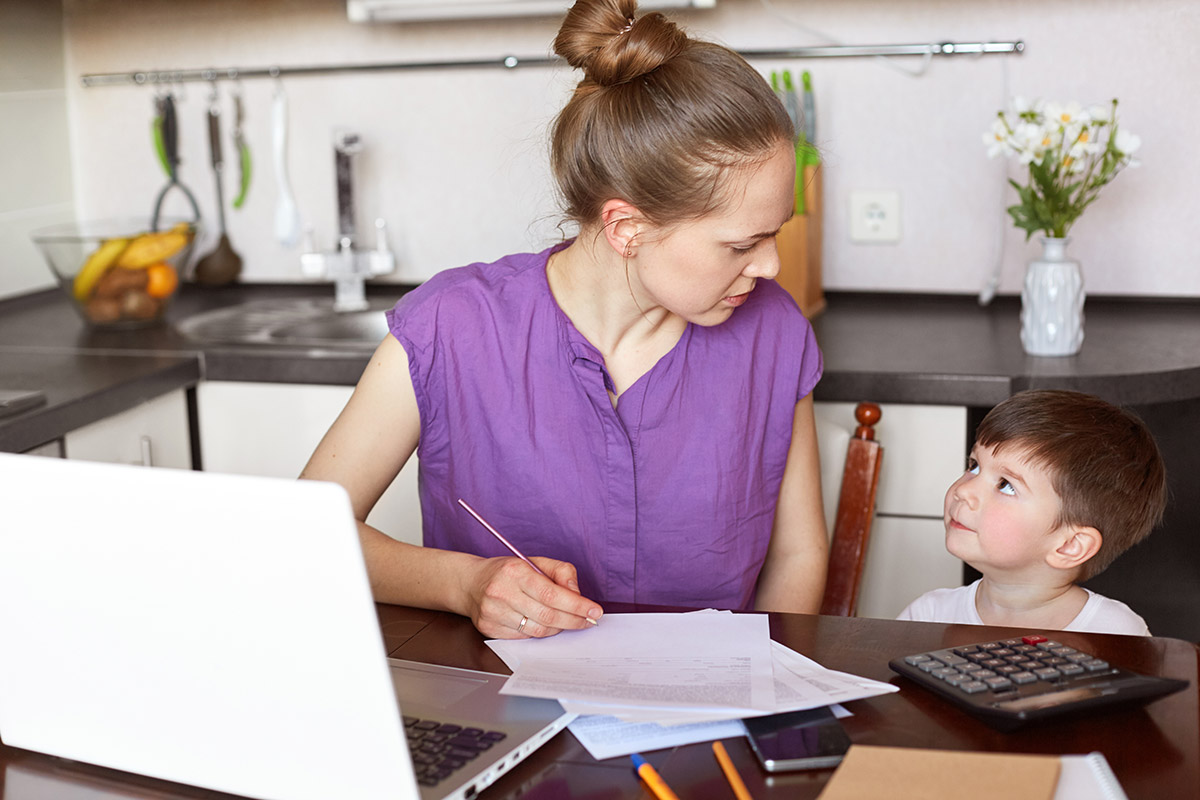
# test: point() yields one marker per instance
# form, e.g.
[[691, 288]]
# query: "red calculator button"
[[1035, 639]]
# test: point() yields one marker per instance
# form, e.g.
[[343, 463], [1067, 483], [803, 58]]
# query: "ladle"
[[223, 265]]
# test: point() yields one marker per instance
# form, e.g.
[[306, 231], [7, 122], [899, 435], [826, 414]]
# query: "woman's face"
[[702, 270]]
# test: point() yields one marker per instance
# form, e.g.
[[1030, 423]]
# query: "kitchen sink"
[[310, 323]]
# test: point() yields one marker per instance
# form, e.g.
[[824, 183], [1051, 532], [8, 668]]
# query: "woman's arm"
[[793, 576], [364, 450]]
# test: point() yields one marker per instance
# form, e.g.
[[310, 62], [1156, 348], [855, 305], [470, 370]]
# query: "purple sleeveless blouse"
[[669, 498]]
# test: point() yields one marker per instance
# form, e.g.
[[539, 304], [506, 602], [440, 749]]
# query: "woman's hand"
[[511, 601]]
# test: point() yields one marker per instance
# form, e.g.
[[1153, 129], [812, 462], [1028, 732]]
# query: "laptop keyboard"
[[439, 749]]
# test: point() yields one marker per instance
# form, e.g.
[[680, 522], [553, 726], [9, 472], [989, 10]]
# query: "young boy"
[[1057, 486]]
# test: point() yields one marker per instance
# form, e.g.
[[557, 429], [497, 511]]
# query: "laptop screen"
[[209, 629]]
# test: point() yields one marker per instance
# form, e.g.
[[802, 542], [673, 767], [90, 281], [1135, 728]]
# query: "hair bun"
[[611, 45]]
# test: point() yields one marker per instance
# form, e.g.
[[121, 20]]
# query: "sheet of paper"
[[685, 661], [609, 737], [801, 683]]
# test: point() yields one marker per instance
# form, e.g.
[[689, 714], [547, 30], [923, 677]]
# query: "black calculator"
[[1007, 683]]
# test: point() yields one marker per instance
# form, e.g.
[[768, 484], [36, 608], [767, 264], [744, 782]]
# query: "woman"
[[632, 408]]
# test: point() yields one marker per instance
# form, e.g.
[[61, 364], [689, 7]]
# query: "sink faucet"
[[348, 266]]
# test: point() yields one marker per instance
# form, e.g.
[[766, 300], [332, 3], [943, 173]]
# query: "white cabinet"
[[924, 451], [272, 429], [155, 433]]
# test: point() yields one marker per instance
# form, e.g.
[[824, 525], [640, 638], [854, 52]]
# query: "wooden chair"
[[855, 513]]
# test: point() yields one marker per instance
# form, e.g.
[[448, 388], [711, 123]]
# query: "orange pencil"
[[652, 778], [731, 774]]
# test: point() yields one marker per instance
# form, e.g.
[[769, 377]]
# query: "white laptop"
[[219, 631]]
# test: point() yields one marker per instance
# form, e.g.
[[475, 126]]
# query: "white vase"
[[1052, 302]]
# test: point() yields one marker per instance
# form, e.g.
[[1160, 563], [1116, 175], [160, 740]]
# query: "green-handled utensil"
[[243, 151]]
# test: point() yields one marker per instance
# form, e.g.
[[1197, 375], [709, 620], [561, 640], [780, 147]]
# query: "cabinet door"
[[154, 433], [924, 451], [271, 429], [906, 558]]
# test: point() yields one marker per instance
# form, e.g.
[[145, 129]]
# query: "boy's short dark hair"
[[1103, 462]]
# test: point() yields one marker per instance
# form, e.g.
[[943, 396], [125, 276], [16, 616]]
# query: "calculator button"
[[930, 665], [1047, 673], [992, 663], [1079, 658], [1064, 651], [971, 687], [1048, 645], [966, 651], [917, 659], [1054, 661], [983, 673], [952, 660], [945, 672], [998, 683], [1009, 669], [1022, 678], [1095, 665], [1003, 651], [1034, 639], [1070, 669], [1011, 642], [1023, 648], [969, 667], [990, 646], [958, 679]]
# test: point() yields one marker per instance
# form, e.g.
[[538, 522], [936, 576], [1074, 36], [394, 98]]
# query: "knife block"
[[799, 245]]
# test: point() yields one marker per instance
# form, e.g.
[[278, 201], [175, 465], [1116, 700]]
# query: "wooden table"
[[1154, 749]]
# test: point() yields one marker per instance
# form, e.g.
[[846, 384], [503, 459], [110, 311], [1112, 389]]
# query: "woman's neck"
[[592, 285]]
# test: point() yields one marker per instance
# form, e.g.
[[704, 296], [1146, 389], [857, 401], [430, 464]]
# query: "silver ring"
[[521, 627]]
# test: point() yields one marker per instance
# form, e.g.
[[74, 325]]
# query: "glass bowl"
[[118, 273]]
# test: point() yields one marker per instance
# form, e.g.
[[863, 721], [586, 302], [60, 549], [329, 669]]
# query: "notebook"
[[219, 631]]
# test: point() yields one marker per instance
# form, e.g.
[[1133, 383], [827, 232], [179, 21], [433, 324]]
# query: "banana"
[[96, 265], [150, 248]]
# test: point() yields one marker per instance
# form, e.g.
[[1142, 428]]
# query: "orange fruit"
[[163, 279]]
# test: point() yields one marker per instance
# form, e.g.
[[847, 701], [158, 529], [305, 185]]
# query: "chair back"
[[855, 513]]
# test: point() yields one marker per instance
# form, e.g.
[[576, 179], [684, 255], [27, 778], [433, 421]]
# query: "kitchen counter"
[[893, 347], [941, 350]]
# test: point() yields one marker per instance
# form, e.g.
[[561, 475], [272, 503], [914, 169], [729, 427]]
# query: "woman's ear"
[[1079, 545], [621, 224]]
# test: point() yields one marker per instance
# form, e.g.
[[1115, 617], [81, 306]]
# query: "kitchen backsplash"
[[455, 160]]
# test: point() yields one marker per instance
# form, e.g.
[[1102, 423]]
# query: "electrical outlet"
[[874, 216]]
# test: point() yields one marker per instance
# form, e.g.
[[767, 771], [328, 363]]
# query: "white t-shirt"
[[1099, 615]]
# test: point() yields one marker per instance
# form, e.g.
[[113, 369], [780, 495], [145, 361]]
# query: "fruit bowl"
[[118, 273]]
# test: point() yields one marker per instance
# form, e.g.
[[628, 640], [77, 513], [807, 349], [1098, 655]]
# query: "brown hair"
[[1103, 463], [658, 117]]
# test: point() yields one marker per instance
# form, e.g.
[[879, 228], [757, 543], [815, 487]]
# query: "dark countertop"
[[942, 350], [888, 348]]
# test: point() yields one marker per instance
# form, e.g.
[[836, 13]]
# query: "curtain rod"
[[512, 62]]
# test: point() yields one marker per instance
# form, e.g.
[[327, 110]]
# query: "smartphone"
[[14, 401], [796, 740]]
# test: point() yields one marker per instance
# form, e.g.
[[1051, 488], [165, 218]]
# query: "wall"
[[35, 159], [455, 160]]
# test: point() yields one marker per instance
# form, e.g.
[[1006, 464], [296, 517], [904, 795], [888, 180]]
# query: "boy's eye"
[[1005, 487], [972, 466]]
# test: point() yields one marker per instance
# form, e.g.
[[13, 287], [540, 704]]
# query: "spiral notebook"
[[1088, 778], [909, 773]]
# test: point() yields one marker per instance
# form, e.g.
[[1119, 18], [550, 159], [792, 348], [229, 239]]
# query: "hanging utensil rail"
[[512, 62]]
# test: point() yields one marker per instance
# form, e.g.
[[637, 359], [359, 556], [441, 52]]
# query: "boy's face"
[[1000, 514]]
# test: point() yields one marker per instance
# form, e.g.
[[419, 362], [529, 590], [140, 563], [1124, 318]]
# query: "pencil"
[[653, 780], [731, 774], [498, 535], [509, 545]]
